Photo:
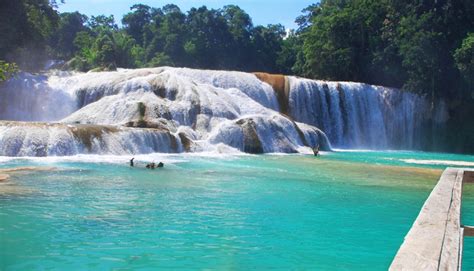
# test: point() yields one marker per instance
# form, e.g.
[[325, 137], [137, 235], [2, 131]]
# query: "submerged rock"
[[15, 170], [186, 141], [4, 177], [252, 143]]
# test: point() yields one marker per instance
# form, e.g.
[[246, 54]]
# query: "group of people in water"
[[160, 164], [149, 165]]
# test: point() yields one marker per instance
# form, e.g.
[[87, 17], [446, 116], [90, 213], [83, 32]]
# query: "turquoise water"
[[340, 211]]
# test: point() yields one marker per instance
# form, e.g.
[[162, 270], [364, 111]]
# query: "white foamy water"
[[140, 160], [200, 111], [37, 139], [29, 97], [356, 115]]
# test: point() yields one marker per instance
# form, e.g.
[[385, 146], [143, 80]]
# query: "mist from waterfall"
[[40, 97]]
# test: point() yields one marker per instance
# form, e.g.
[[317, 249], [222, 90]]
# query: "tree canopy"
[[415, 45], [422, 46]]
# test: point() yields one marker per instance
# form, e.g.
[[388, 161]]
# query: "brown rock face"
[[301, 134], [252, 143], [87, 133], [281, 87], [187, 143], [158, 125]]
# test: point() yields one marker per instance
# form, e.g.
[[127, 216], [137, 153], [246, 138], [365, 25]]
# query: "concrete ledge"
[[435, 240]]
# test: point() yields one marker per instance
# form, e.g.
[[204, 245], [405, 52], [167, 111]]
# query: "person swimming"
[[153, 165], [316, 150], [131, 162]]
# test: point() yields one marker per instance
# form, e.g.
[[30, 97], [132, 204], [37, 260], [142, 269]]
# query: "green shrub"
[[7, 70], [141, 110]]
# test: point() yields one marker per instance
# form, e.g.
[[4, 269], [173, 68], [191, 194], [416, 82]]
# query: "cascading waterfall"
[[40, 139], [40, 97], [356, 115], [200, 110]]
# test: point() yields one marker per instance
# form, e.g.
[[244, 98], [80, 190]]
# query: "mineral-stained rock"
[[132, 111], [252, 143], [186, 141], [281, 87], [4, 177], [87, 133]]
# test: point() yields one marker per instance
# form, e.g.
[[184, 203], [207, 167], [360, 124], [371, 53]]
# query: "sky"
[[262, 12]]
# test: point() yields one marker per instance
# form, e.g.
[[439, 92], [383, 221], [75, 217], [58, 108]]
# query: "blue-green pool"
[[340, 211]]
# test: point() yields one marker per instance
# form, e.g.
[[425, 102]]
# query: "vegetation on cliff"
[[7, 70]]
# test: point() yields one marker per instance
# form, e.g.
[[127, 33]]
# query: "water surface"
[[340, 211]]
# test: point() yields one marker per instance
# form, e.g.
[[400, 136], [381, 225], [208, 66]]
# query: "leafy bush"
[[7, 70]]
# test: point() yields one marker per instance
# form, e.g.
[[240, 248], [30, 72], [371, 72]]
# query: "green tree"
[[267, 42], [342, 39], [464, 57], [161, 59], [7, 70], [239, 24], [105, 47], [291, 58], [63, 39], [419, 47], [124, 46], [168, 31], [136, 22], [86, 58], [25, 27], [102, 23], [210, 35]]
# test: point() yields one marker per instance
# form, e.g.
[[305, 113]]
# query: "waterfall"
[[40, 139], [39, 97], [357, 115], [186, 110]]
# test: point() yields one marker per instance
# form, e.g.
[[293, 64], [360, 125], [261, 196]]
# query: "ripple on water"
[[250, 212]]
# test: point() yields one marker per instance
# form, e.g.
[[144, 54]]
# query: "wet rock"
[[281, 87], [252, 143], [186, 141], [86, 133]]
